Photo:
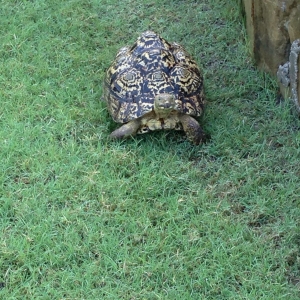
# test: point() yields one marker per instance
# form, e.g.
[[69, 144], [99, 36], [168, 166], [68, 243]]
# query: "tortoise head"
[[164, 104]]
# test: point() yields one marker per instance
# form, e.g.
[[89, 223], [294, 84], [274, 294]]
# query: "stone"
[[273, 27], [288, 75]]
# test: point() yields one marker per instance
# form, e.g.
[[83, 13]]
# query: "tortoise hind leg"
[[192, 129], [126, 130]]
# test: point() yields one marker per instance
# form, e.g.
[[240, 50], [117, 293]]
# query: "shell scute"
[[150, 67]]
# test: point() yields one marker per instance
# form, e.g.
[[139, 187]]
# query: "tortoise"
[[154, 85]]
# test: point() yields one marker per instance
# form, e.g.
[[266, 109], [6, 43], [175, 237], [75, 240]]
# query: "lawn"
[[151, 217]]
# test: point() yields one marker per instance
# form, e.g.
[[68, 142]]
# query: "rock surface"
[[273, 26]]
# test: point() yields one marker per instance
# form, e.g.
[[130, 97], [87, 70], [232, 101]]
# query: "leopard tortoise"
[[154, 85]]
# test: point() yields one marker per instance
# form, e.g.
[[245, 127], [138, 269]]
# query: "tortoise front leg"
[[192, 129], [126, 130]]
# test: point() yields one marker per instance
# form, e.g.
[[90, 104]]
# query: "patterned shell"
[[152, 66]]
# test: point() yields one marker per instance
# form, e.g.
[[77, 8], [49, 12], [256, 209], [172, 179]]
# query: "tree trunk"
[[273, 28]]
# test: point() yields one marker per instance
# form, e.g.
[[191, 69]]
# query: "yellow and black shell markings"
[[149, 40], [150, 67]]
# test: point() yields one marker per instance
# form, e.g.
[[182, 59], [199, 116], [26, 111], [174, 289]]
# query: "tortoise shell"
[[150, 67]]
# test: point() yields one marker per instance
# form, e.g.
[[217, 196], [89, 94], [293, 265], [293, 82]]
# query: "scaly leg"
[[192, 129], [126, 130]]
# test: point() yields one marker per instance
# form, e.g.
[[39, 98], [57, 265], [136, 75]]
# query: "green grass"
[[152, 217]]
